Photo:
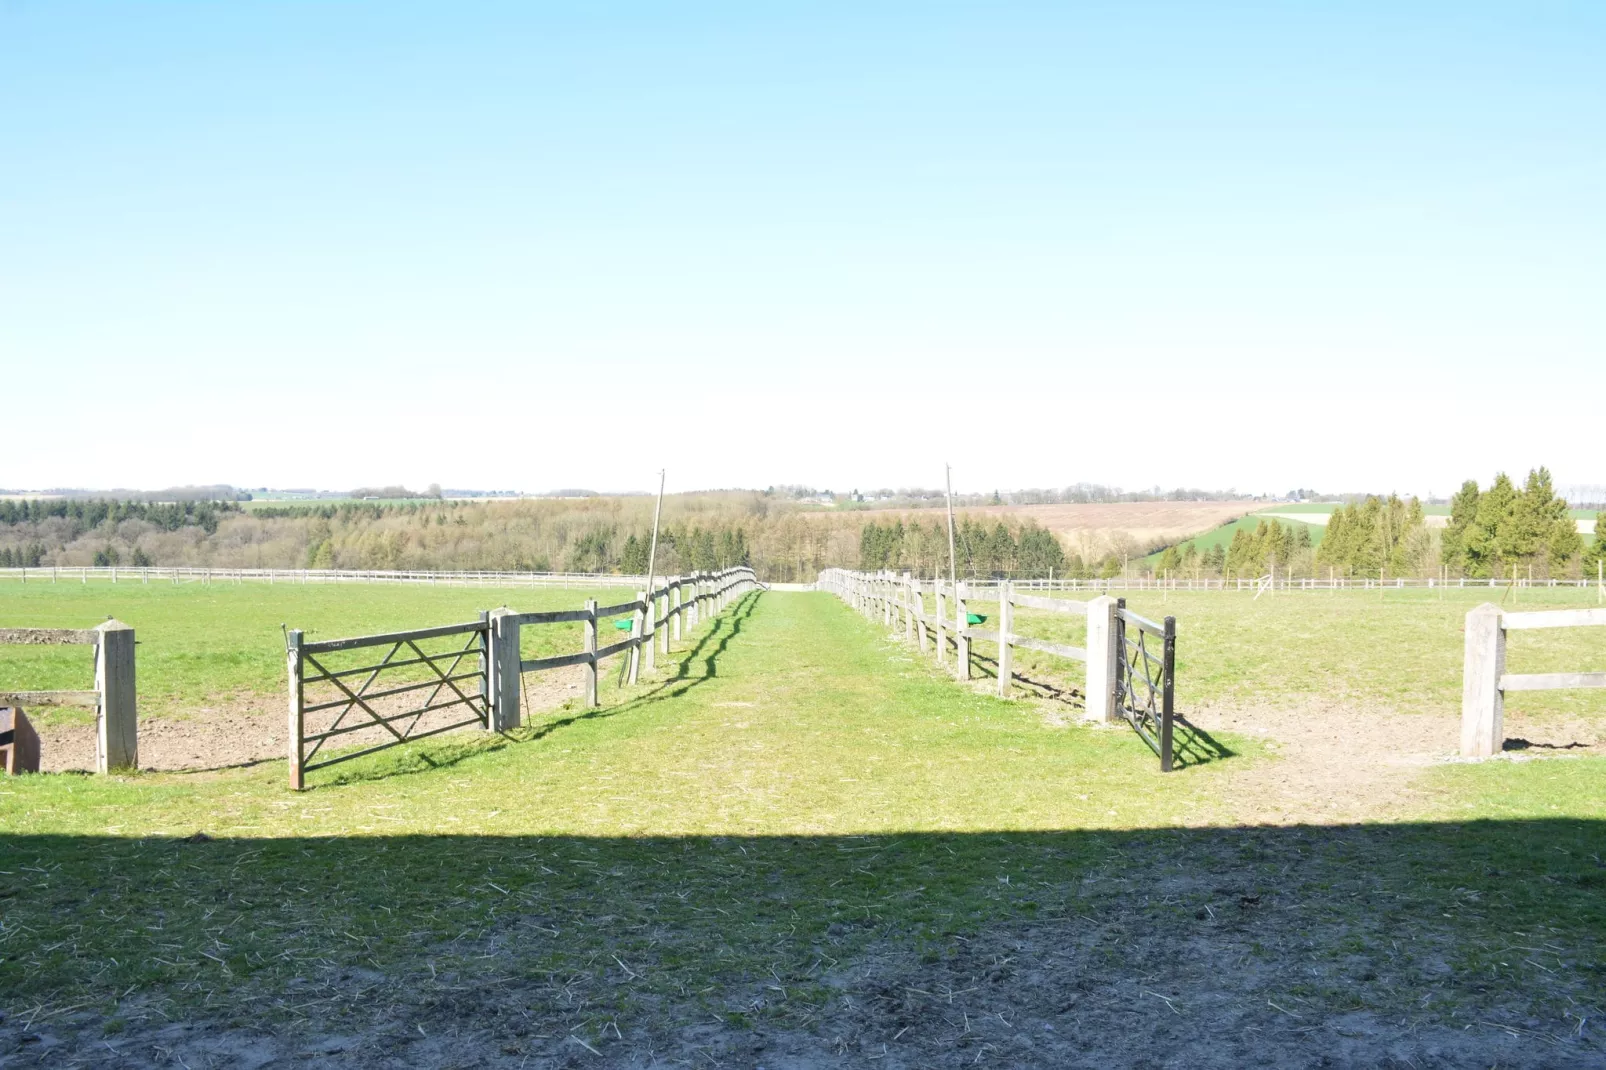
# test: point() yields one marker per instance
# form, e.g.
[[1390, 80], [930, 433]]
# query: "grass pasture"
[[201, 645], [801, 846]]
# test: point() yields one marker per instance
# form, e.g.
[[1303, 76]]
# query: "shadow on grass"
[[1090, 944]]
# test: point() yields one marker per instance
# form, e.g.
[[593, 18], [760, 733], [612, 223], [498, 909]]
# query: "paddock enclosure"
[[794, 836]]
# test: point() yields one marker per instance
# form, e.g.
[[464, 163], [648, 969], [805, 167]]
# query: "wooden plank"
[[1063, 650], [1143, 623], [1102, 659], [49, 636], [1482, 668], [557, 662], [298, 721], [90, 699], [589, 648], [560, 616], [1556, 618], [1053, 605], [1548, 681], [328, 645], [622, 607], [401, 689], [118, 736], [1006, 659], [610, 651], [986, 635]]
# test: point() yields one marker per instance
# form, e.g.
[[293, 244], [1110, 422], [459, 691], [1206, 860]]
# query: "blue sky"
[[1258, 245]]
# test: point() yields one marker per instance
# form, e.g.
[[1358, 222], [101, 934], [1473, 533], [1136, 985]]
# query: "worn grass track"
[[799, 847]]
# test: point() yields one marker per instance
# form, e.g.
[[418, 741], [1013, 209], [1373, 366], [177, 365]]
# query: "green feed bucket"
[[975, 618], [623, 625]]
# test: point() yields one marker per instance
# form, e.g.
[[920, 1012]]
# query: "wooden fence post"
[[674, 621], [297, 719], [117, 731], [638, 619], [652, 632], [1482, 703], [942, 633], [505, 674], [961, 641], [1006, 621], [590, 647], [1101, 659]]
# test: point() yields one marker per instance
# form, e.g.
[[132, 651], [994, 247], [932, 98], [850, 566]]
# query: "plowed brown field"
[[1093, 529]]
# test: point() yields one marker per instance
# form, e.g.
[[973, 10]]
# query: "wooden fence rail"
[[486, 691], [113, 697], [1484, 680]]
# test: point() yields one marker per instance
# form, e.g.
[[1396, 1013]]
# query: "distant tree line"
[[85, 514], [1020, 550]]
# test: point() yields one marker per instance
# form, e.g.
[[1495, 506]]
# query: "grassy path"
[[800, 848]]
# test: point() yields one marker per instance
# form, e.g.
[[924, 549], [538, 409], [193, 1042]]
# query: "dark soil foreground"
[[1418, 946]]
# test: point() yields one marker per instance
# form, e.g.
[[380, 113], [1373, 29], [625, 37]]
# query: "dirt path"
[[1337, 762], [248, 731]]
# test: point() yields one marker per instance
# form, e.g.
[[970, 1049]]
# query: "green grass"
[[1222, 536], [800, 811], [200, 644], [1397, 649]]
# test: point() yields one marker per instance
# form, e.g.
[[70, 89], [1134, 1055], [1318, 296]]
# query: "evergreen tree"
[[1487, 546], [633, 558], [1463, 512], [1596, 553]]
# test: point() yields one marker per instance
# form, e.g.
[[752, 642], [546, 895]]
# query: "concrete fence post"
[[1101, 658], [505, 674], [117, 727], [1482, 702]]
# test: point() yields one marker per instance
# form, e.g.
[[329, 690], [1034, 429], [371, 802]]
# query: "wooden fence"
[[1124, 679], [113, 698], [484, 692], [1484, 680]]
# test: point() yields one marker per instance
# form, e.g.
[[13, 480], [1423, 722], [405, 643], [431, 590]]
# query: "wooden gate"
[[1145, 680], [406, 695]]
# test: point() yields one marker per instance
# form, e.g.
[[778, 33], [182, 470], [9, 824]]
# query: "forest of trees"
[[1498, 531], [1504, 531], [1021, 550]]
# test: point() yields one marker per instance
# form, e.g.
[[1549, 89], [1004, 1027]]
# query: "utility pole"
[[652, 555], [953, 570]]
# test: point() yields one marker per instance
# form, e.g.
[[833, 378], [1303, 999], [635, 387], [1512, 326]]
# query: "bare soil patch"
[[1341, 762], [245, 731], [1094, 529]]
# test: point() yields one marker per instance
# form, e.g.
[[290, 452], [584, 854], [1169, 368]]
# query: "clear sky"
[[1348, 246]]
